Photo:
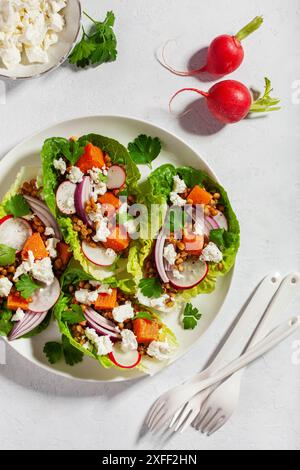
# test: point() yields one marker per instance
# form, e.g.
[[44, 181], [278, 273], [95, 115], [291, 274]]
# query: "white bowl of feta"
[[36, 36]]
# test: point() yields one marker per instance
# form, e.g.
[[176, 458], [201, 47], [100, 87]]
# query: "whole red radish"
[[225, 53], [230, 101]]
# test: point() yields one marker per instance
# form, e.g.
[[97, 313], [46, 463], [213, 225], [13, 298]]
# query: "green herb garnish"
[[144, 150], [98, 46], [7, 255], [17, 206], [151, 288], [191, 316]]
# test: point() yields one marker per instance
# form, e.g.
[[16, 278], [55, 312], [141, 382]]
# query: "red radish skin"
[[231, 101], [116, 177], [225, 53], [128, 360]]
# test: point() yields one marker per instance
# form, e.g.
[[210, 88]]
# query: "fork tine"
[[202, 417], [209, 423], [176, 416], [161, 420], [189, 420], [183, 418], [218, 425], [154, 411]]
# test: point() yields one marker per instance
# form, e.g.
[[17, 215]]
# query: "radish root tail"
[[195, 90], [163, 61]]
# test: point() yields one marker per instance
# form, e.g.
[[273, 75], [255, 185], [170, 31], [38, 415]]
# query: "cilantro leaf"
[[5, 322], [26, 286], [98, 46], [72, 355], [143, 150], [53, 352], [191, 316], [73, 315], [7, 255], [151, 288], [144, 315], [17, 206]]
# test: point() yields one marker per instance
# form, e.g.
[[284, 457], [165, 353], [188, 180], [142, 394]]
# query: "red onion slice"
[[102, 331], [44, 214], [100, 320], [29, 323], [82, 195]]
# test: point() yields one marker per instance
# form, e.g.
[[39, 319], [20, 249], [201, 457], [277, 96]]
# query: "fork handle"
[[246, 325], [278, 335]]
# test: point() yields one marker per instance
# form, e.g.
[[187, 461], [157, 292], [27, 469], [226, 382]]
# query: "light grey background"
[[258, 161]]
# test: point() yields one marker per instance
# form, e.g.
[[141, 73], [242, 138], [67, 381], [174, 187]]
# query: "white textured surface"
[[258, 161]]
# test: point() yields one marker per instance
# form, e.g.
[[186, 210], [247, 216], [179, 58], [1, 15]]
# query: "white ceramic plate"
[[174, 151]]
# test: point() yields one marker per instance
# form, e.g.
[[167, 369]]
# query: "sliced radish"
[[221, 220], [14, 232], [82, 195], [195, 271], [125, 360], [65, 198], [98, 256], [100, 320], [44, 214], [44, 298], [116, 177], [30, 322]]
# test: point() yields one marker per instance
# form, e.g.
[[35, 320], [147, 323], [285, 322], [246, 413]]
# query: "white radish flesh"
[[125, 360], [14, 232], [65, 198], [98, 255], [195, 271], [116, 177], [44, 298]]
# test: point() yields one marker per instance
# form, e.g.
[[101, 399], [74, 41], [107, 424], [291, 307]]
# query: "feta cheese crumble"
[[18, 316], [5, 286], [159, 350], [75, 175], [158, 304], [51, 245], [29, 27], [177, 275], [123, 312], [103, 344], [42, 271], [86, 297], [177, 200], [129, 341], [60, 165], [170, 254], [95, 174], [179, 185], [211, 254], [49, 232], [102, 230], [99, 190]]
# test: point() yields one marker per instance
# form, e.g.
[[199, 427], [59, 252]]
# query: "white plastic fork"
[[162, 412], [234, 345], [223, 401], [200, 409]]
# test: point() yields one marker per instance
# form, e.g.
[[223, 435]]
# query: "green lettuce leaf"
[[6, 325]]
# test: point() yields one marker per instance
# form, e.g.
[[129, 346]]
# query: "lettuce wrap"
[[56, 148], [157, 189], [70, 282]]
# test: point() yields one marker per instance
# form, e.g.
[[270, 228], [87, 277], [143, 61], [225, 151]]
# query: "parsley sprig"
[[26, 286], [151, 288], [191, 316], [56, 351], [144, 150], [97, 46], [17, 206]]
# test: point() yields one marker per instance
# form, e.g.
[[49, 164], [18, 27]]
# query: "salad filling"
[[109, 325], [89, 185], [32, 258]]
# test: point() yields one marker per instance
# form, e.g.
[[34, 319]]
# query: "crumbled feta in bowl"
[[36, 35]]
